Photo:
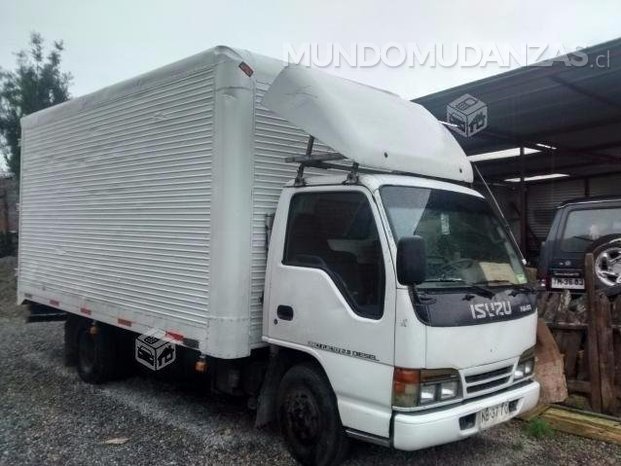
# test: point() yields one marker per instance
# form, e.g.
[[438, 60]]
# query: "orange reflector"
[[201, 365], [174, 336], [127, 323], [93, 330]]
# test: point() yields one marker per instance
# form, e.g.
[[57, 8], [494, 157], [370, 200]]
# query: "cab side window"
[[336, 232]]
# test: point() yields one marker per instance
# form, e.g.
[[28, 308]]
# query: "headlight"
[[449, 390], [526, 365], [428, 394], [418, 387]]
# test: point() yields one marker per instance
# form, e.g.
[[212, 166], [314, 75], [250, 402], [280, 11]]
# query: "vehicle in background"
[[591, 224], [354, 287]]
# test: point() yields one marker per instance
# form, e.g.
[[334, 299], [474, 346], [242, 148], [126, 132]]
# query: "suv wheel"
[[607, 261]]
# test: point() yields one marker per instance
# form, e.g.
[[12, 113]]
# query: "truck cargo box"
[[144, 204]]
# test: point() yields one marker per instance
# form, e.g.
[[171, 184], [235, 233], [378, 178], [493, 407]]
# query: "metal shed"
[[560, 117]]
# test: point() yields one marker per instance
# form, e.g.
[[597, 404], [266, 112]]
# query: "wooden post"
[[593, 348], [606, 354]]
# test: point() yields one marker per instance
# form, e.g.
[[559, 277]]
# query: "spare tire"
[[606, 260]]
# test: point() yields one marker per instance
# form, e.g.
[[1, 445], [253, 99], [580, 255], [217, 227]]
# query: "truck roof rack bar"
[[315, 158], [310, 160]]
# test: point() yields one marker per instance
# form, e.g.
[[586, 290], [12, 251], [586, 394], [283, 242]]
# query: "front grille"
[[486, 380]]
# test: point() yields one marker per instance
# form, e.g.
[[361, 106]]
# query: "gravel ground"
[[48, 416]]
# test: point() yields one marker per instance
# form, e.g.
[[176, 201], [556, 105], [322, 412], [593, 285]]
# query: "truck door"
[[331, 294]]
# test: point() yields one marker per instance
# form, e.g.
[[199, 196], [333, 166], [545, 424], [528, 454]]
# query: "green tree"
[[36, 83]]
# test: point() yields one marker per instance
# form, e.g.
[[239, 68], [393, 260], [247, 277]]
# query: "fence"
[[588, 334]]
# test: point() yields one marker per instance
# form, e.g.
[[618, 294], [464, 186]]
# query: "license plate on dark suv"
[[568, 283]]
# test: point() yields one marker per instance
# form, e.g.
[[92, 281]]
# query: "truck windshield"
[[465, 242]]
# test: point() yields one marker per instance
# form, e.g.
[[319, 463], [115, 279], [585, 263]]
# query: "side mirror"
[[411, 260]]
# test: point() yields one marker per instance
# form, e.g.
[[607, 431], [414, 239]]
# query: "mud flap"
[[266, 408]]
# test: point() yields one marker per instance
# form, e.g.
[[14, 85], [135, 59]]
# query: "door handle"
[[284, 312]]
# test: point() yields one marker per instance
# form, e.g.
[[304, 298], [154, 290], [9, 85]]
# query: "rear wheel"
[[98, 356], [308, 417]]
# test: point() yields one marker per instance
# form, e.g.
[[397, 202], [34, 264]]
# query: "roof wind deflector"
[[368, 126]]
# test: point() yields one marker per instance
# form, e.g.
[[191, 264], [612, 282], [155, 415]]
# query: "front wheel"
[[308, 417]]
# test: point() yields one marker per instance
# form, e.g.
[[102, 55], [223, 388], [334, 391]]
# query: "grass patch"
[[538, 428]]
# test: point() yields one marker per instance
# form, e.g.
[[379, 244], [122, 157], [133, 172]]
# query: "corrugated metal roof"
[[576, 109]]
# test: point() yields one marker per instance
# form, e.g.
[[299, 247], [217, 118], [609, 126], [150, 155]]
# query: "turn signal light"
[[405, 385]]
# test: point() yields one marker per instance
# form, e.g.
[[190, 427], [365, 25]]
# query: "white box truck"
[[354, 287]]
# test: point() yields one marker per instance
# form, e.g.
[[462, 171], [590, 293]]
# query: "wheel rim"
[[608, 266], [86, 352], [302, 414]]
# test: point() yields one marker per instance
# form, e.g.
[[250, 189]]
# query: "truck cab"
[[400, 282], [412, 299]]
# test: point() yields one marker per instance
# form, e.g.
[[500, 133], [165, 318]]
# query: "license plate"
[[494, 415], [568, 283]]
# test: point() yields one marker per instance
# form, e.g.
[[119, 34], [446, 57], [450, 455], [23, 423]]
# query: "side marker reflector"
[[174, 336], [127, 323]]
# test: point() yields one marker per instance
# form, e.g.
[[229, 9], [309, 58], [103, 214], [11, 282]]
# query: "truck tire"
[[308, 417], [97, 354], [607, 257]]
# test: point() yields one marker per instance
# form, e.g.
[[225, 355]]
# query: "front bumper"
[[413, 431]]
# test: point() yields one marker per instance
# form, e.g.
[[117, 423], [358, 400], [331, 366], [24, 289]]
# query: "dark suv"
[[584, 225]]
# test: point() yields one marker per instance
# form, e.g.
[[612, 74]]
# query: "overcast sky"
[[108, 41]]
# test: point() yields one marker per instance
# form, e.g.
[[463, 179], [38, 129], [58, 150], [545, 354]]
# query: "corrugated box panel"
[[116, 200], [543, 200], [275, 139]]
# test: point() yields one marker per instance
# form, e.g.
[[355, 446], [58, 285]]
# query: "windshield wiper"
[[482, 291], [516, 288]]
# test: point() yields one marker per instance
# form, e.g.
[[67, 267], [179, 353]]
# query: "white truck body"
[[146, 205]]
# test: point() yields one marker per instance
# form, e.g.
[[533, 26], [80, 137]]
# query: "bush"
[[538, 428]]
